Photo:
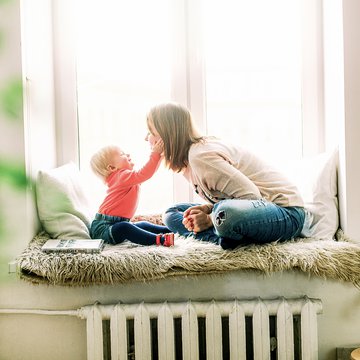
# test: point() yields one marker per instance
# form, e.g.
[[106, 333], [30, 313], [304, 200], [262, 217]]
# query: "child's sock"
[[165, 239]]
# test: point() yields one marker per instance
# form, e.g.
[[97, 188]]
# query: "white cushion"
[[316, 179], [63, 207], [325, 205], [65, 211]]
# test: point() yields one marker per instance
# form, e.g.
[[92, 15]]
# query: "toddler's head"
[[109, 159]]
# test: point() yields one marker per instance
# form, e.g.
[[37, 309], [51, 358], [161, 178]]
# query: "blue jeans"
[[114, 230], [237, 222]]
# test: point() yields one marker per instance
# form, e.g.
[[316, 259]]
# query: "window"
[[253, 75], [237, 64], [123, 68]]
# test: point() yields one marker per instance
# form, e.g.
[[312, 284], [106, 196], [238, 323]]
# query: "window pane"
[[123, 68], [253, 75]]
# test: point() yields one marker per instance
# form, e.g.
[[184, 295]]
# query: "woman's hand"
[[197, 218]]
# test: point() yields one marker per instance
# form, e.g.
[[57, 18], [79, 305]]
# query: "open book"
[[74, 245]]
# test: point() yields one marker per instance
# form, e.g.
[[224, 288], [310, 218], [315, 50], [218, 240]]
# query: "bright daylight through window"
[[249, 57]]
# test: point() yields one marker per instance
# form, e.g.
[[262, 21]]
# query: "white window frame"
[[66, 116], [342, 89], [312, 78], [188, 73]]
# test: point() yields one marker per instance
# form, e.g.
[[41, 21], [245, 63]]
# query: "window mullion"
[[196, 63], [65, 82], [179, 84], [188, 75], [312, 79]]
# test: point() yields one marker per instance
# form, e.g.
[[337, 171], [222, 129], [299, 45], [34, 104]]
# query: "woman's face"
[[152, 136]]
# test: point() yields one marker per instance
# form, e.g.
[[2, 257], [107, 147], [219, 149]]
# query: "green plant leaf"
[[11, 99], [13, 172], [2, 2], [1, 39]]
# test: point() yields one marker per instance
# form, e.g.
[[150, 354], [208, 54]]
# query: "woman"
[[248, 201]]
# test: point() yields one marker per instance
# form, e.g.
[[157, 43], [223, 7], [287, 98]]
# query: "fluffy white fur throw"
[[127, 262]]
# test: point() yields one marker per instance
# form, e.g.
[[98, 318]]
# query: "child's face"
[[120, 160], [152, 136]]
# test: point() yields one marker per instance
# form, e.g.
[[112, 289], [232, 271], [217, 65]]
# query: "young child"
[[112, 221]]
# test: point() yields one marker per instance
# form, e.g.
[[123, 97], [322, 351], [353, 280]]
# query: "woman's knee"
[[181, 207], [174, 212], [239, 210], [229, 214], [220, 219], [167, 216]]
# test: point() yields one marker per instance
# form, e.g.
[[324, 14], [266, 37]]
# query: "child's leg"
[[154, 228], [128, 231]]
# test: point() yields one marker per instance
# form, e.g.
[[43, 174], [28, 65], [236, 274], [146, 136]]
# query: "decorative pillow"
[[316, 179], [325, 204], [63, 207]]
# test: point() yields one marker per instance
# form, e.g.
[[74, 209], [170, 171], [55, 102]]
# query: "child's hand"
[[158, 147]]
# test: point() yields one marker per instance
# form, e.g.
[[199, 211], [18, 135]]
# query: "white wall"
[[15, 225], [37, 337], [30, 140], [60, 337], [342, 106], [350, 165]]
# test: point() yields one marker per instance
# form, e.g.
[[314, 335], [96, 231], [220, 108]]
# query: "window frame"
[[188, 79]]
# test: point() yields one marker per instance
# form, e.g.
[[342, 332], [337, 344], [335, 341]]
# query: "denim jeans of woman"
[[238, 221]]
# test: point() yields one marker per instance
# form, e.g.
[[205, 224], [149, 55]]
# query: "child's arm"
[[158, 147], [133, 177]]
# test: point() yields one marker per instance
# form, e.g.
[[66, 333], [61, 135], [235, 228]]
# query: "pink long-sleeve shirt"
[[124, 186]]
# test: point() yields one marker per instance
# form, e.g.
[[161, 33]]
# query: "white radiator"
[[247, 329]]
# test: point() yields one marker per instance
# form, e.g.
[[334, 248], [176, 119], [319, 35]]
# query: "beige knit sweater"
[[219, 171]]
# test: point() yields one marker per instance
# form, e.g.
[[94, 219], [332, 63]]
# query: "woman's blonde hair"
[[175, 126], [101, 159]]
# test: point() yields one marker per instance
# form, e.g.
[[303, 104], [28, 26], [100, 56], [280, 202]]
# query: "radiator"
[[241, 329]]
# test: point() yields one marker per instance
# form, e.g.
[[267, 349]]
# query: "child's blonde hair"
[[101, 159], [175, 126]]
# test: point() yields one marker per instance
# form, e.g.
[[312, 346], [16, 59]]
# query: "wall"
[[350, 176], [61, 337], [37, 337], [27, 138], [26, 144], [15, 226]]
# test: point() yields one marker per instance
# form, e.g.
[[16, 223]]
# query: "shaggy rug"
[[128, 262]]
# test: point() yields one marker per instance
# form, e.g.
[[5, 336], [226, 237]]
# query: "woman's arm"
[[197, 218], [219, 176], [216, 176], [132, 177]]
